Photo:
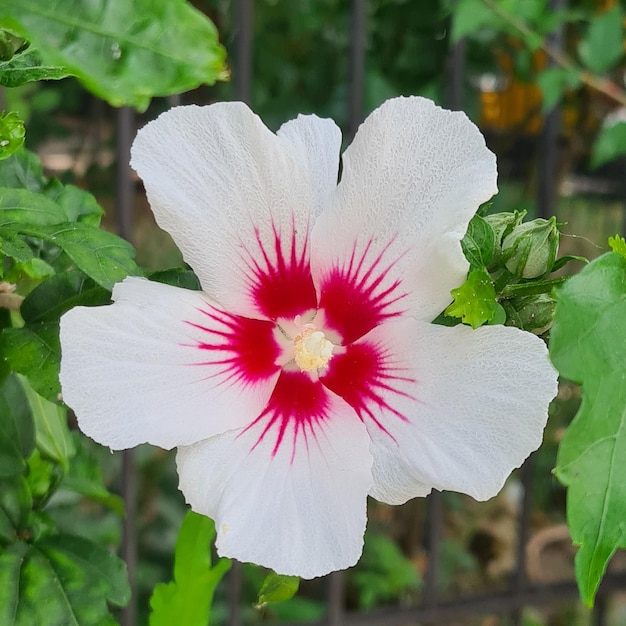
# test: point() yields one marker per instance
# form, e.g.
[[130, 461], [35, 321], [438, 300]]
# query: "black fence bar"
[[242, 71], [336, 595], [235, 581], [125, 133], [598, 617], [358, 47], [519, 580], [455, 83], [434, 521], [466, 606], [547, 178]]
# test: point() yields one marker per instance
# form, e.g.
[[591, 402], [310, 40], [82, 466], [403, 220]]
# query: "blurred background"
[[544, 80]]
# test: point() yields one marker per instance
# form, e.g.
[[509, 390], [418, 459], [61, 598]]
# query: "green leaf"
[[178, 277], [17, 432], [553, 82], [587, 345], [603, 45], [609, 144], [61, 579], [475, 300], [130, 50], [60, 293], [15, 506], [188, 598], [10, 45], [43, 478], [12, 133], [618, 244], [103, 256], [37, 269], [22, 171], [471, 16], [85, 478], [278, 588], [479, 242], [52, 434], [20, 207], [568, 258], [12, 246], [27, 66], [77, 204], [35, 352]]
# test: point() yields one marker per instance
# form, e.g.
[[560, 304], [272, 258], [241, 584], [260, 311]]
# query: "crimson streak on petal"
[[296, 407], [245, 348], [361, 294], [281, 283], [366, 378]]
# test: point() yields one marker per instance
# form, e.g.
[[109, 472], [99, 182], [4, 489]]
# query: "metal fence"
[[433, 610]]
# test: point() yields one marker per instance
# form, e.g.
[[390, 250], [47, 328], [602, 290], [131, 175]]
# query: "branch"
[[560, 58]]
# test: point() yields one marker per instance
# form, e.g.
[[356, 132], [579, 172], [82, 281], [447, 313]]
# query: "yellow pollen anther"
[[312, 350]]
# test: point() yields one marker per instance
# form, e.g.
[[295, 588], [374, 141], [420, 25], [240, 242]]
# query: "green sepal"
[[277, 588], [475, 300]]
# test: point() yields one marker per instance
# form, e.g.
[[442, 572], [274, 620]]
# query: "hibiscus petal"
[[164, 365], [412, 179], [290, 491], [450, 408], [238, 200]]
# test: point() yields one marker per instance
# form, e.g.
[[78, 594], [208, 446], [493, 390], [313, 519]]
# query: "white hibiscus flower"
[[307, 375]]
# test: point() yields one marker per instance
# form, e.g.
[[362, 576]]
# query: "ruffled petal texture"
[[164, 365], [239, 200], [412, 179], [470, 407], [339, 280], [286, 494]]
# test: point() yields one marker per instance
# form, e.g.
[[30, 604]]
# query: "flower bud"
[[504, 223], [532, 313], [531, 249]]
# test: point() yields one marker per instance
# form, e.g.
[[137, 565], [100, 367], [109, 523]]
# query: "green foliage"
[[471, 16], [12, 133], [587, 346], [554, 81], [177, 277], [61, 579], [60, 293], [53, 436], [17, 431], [618, 244], [610, 144], [475, 300], [479, 243], [188, 598], [35, 352], [57, 257], [508, 282], [383, 573], [603, 45], [277, 588], [27, 66], [130, 50], [103, 256], [61, 215]]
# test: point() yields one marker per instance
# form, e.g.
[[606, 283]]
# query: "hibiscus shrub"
[[379, 336]]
